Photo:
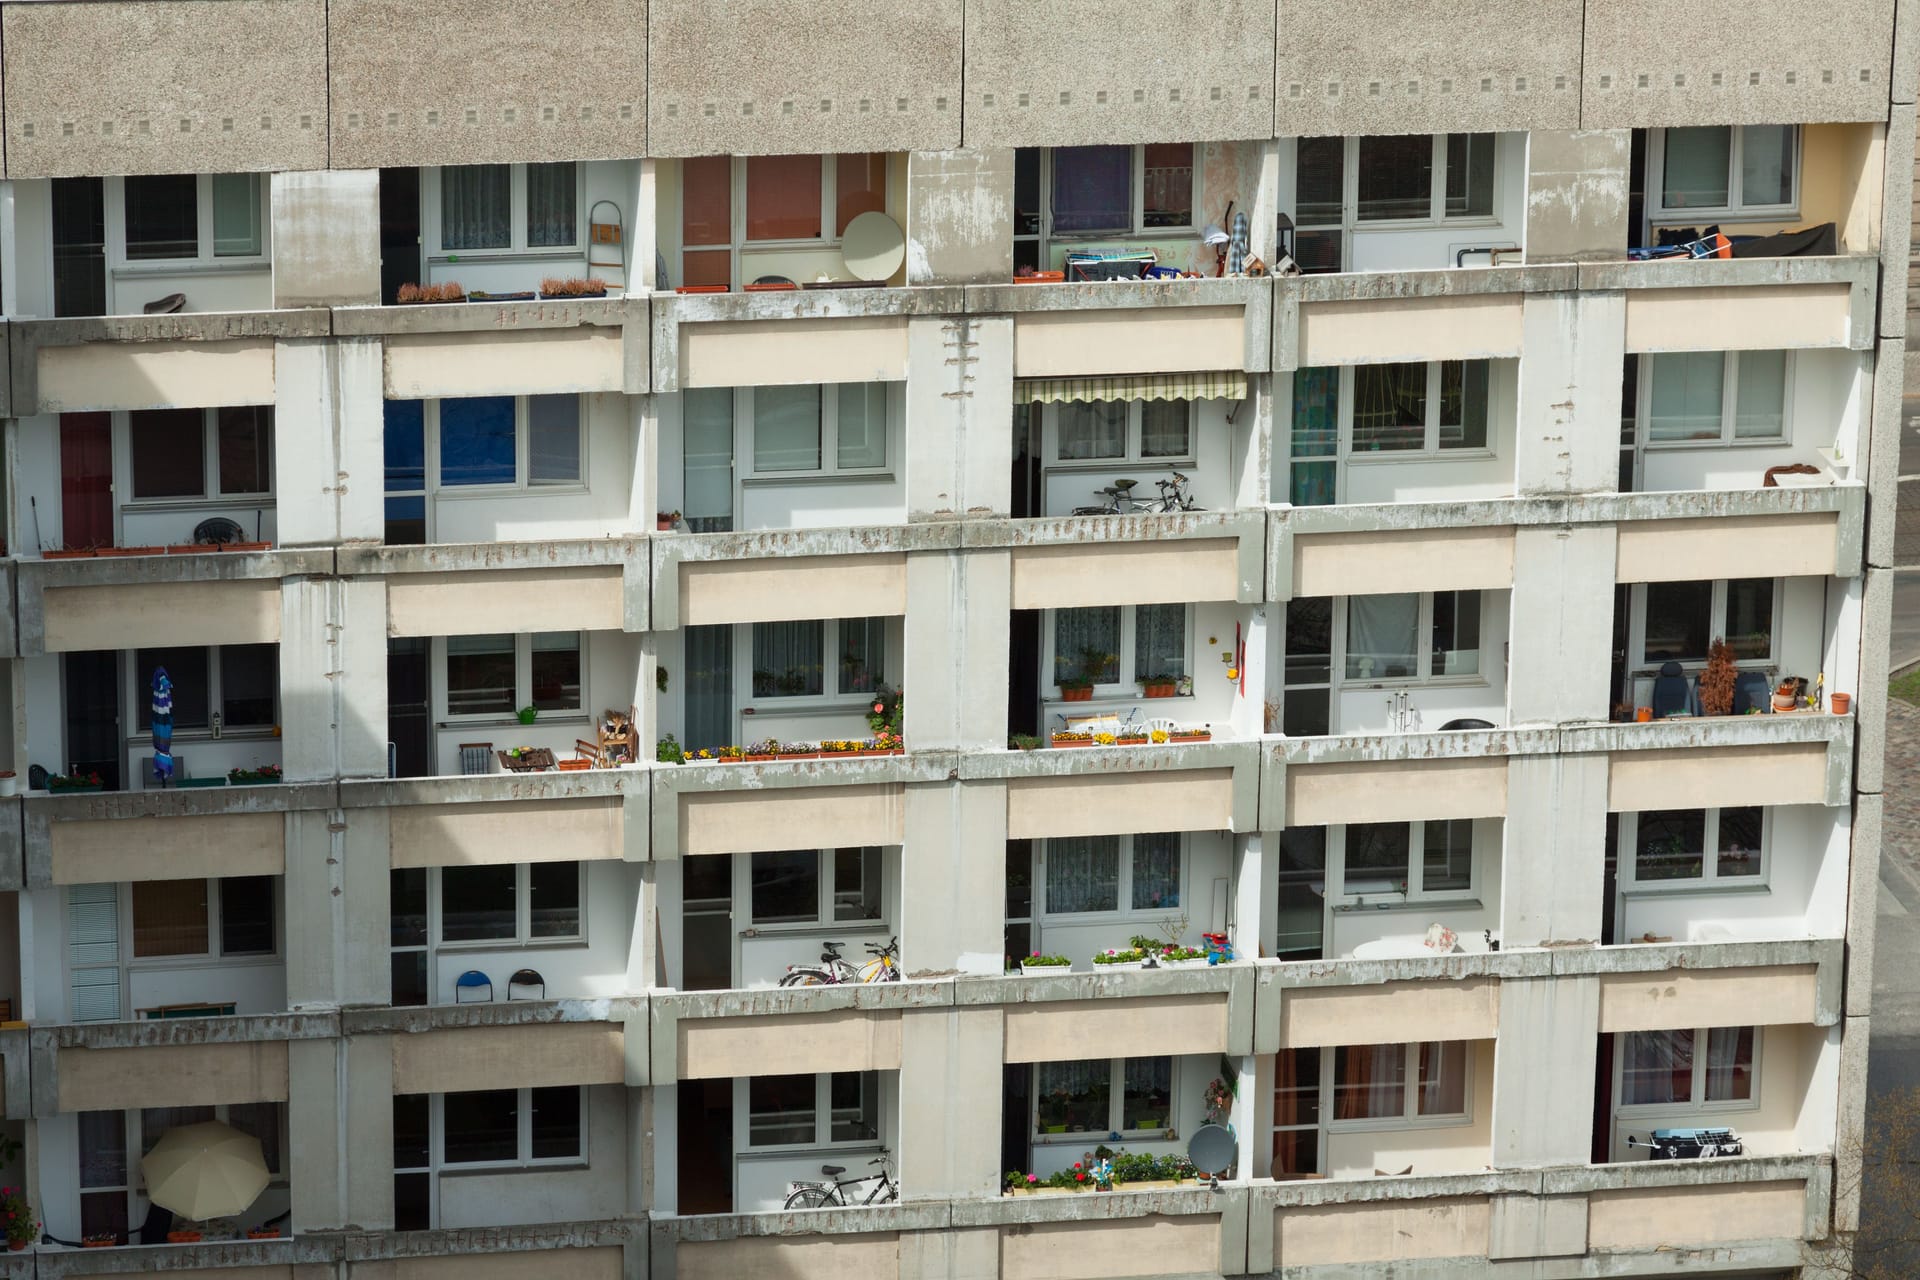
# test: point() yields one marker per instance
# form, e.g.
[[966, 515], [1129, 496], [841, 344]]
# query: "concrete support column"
[[1553, 859], [959, 432], [642, 253], [953, 879], [333, 678], [340, 1130], [951, 1065], [1577, 194], [338, 908], [326, 237], [1560, 659], [1263, 221], [959, 206], [1543, 1092], [1573, 349], [329, 441], [957, 648]]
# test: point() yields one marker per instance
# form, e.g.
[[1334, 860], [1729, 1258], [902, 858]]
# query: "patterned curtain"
[[552, 206], [1315, 436], [1159, 640], [476, 205], [1078, 631], [1156, 871], [1093, 429], [1083, 874]]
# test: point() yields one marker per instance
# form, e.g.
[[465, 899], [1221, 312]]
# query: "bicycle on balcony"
[[835, 969], [1117, 499], [820, 1195]]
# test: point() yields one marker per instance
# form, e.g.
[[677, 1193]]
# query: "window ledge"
[[567, 718], [1684, 888], [187, 266], [477, 1170], [471, 492], [769, 478], [509, 944]]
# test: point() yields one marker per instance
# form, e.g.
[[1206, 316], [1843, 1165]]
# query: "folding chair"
[[527, 978], [472, 980]]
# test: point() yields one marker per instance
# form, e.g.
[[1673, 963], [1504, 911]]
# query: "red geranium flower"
[[1079, 1177]]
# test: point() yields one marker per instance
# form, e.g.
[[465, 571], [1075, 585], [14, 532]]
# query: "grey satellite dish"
[[1211, 1149], [874, 246]]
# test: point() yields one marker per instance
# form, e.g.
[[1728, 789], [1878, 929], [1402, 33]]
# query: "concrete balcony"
[[1744, 304], [1388, 317], [789, 337], [557, 346], [481, 588], [184, 361], [759, 806], [1080, 561], [131, 602], [175, 1062], [113, 837], [1369, 778], [592, 815], [525, 1044], [1129, 328], [1210, 786], [1802, 758]]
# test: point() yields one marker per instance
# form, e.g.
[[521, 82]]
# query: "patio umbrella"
[[202, 1171], [162, 726]]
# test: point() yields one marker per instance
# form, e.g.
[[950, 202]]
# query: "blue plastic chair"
[[472, 980]]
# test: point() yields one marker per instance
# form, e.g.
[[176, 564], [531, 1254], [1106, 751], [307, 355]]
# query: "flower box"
[[263, 1233], [1191, 735], [1131, 740], [1041, 277], [1035, 970], [1061, 740], [239, 546], [1119, 966], [98, 1242], [755, 758], [800, 755], [518, 295], [130, 551], [1083, 693], [190, 783], [574, 766], [183, 1237], [1158, 688], [82, 553], [62, 787], [1199, 962], [701, 288]]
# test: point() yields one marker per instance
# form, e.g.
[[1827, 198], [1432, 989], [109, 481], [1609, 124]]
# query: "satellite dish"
[[874, 246], [1211, 1149]]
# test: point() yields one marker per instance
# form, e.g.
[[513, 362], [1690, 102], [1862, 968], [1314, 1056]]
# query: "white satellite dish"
[[874, 246]]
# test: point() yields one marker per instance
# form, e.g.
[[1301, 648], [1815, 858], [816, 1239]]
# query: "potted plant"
[[10, 783], [1038, 963], [1077, 686], [883, 713], [1131, 738], [1164, 685], [88, 781], [18, 1215], [1113, 958], [1023, 742], [99, 1240], [1184, 958], [1189, 734], [764, 749], [263, 1233], [800, 751], [669, 751], [183, 1237], [729, 755], [666, 521], [1071, 738], [1717, 681], [266, 773], [572, 287], [410, 294]]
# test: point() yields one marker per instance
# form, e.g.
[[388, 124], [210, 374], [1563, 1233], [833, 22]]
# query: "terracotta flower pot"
[[1082, 694], [1643, 715], [1841, 703]]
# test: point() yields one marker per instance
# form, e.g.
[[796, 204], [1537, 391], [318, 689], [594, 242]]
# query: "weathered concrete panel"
[[141, 614], [873, 1256], [838, 1040], [1734, 64], [1381, 66], [1111, 804], [1070, 1030], [1642, 1218], [732, 77], [1764, 317], [1577, 194], [187, 847], [1381, 562], [1393, 1013], [1395, 791], [155, 375], [432, 82], [752, 821], [1484, 326], [484, 602], [1081, 344], [1157, 1246], [1071, 576], [526, 1057], [1769, 995], [1159, 70], [165, 86], [471, 835], [603, 1262], [326, 238], [183, 1075], [1336, 1234], [1784, 773], [959, 206], [782, 589], [766, 353], [534, 362], [1787, 546]]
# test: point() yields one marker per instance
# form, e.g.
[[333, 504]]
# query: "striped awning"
[[1229, 384]]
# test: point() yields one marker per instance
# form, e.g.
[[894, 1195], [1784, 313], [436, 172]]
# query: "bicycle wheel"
[[812, 1198], [808, 978]]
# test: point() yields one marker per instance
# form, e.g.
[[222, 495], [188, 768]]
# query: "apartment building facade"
[[1465, 496]]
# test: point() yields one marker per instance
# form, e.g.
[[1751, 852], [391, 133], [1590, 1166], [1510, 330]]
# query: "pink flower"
[[879, 708], [1033, 1177]]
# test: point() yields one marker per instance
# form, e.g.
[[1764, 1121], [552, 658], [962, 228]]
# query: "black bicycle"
[[821, 1195], [1117, 499]]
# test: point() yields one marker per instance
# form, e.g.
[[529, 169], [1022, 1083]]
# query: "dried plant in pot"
[[1717, 681]]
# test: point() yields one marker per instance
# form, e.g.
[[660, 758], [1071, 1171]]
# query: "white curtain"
[[1760, 395], [1079, 631], [1159, 640], [1443, 1078], [552, 206], [1083, 874], [1093, 429], [1164, 428], [1729, 1064], [476, 206], [1156, 871], [1382, 637], [707, 447]]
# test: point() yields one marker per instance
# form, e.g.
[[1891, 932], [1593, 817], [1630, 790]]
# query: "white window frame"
[[138, 694], [1131, 455], [824, 896], [114, 206], [1046, 237], [1415, 893], [1696, 1102], [1423, 637], [522, 680], [1432, 450], [522, 939], [523, 1118], [209, 497], [216, 953], [1126, 685], [1717, 627], [1123, 912], [1116, 1107], [831, 697], [432, 224], [1729, 407], [521, 485], [1351, 222], [1710, 879], [1659, 214], [746, 463], [1409, 1117], [822, 1117]]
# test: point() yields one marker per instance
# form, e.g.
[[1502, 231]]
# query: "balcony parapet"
[[472, 588]]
